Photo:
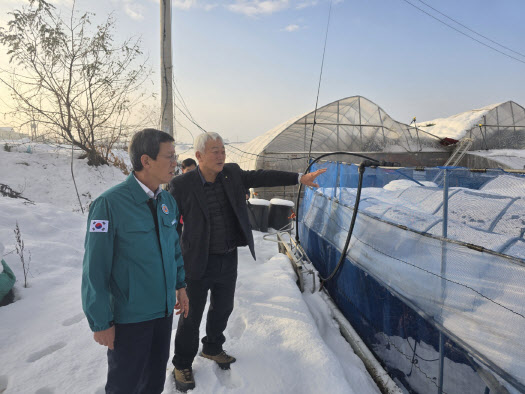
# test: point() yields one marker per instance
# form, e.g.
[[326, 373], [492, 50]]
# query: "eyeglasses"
[[172, 158]]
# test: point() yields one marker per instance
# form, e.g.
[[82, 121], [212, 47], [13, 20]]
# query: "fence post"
[[443, 282], [337, 180]]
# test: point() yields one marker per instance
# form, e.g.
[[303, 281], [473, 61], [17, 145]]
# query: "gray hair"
[[146, 142], [199, 143]]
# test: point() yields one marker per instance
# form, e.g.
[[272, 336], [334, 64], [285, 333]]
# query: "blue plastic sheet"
[[403, 285]]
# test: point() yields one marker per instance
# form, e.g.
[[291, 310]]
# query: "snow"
[[491, 217], [278, 201], [284, 341], [259, 201], [44, 175], [456, 126], [402, 184], [511, 158]]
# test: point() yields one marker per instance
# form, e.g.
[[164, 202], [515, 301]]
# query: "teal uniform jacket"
[[127, 277]]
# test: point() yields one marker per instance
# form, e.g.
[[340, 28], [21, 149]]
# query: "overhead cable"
[[465, 34], [320, 77], [473, 31]]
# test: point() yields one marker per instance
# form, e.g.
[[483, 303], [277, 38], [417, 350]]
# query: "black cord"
[[370, 162], [342, 258], [320, 76]]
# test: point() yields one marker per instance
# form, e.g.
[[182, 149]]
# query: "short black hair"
[[188, 163], [146, 142]]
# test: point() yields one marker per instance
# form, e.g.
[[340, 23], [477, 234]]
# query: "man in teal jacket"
[[133, 272]]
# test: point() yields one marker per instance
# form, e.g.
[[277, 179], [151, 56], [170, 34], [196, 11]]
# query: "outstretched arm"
[[308, 179]]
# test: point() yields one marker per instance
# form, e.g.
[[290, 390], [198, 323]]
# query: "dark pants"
[[138, 362], [219, 279]]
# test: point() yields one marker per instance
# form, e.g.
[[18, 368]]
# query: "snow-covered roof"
[[496, 126], [456, 126]]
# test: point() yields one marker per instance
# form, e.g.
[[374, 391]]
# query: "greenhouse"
[[489, 137], [496, 126], [353, 124]]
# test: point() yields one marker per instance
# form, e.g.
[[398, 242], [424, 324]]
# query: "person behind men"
[[213, 202], [133, 274], [188, 165]]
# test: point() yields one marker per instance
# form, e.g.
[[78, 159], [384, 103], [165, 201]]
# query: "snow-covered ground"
[[511, 158], [284, 341]]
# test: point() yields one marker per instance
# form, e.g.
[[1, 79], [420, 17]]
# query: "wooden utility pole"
[[166, 68]]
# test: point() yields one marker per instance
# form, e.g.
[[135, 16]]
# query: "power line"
[[320, 77], [181, 98], [473, 31], [465, 34]]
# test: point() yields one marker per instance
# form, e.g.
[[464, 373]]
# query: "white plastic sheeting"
[[353, 124]]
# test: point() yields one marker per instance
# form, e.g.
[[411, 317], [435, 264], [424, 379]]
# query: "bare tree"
[[71, 77]]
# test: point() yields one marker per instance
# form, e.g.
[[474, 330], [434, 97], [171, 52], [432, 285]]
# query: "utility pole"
[[166, 68]]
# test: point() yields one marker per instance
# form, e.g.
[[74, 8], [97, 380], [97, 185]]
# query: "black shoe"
[[222, 359], [184, 380]]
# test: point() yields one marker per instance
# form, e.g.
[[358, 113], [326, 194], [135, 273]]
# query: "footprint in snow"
[[73, 320], [44, 390], [237, 328], [228, 378], [3, 383], [46, 351]]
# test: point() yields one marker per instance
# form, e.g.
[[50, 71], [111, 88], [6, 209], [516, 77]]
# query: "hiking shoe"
[[184, 380], [222, 359]]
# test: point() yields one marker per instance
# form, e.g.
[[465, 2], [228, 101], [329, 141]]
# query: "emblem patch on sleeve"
[[99, 226]]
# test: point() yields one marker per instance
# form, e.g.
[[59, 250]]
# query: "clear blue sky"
[[243, 67]]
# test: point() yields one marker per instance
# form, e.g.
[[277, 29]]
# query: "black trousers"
[[219, 279], [141, 352]]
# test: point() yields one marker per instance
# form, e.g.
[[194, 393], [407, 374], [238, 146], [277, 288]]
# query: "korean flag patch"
[[99, 226]]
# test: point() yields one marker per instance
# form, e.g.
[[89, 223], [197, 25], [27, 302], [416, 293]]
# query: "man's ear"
[[145, 160], [198, 156]]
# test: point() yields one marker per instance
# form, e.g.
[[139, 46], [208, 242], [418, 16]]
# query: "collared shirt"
[[224, 227], [147, 189], [202, 176]]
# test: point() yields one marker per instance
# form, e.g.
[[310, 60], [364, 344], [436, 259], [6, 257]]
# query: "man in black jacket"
[[212, 201]]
